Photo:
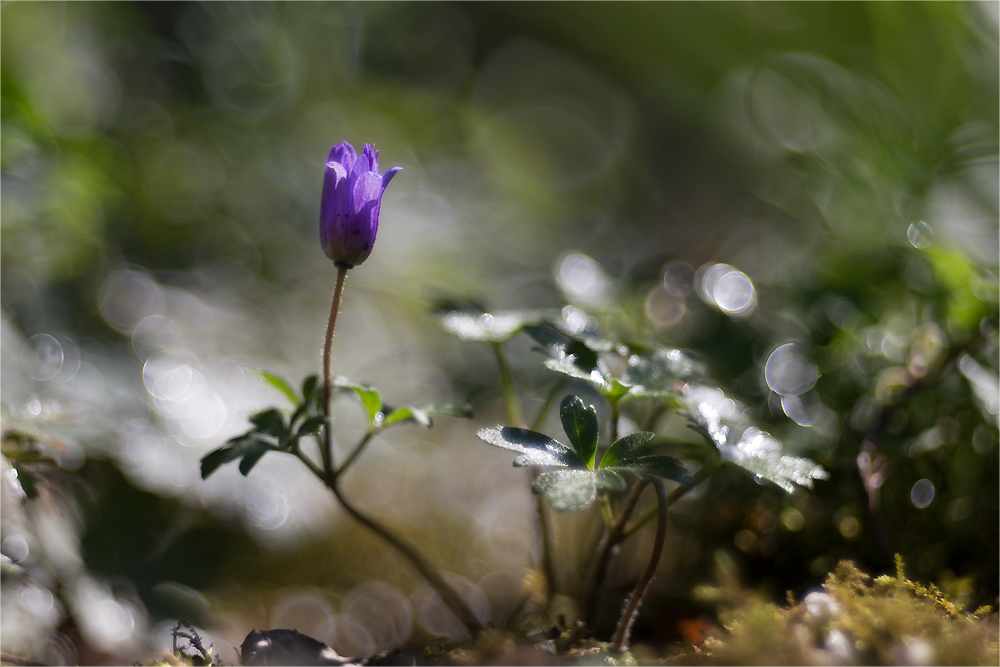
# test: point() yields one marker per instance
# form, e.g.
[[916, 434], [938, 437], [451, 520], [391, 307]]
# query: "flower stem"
[[510, 400], [549, 402], [326, 451], [448, 595], [544, 516], [614, 420], [674, 496], [353, 455], [613, 537], [620, 641], [545, 537]]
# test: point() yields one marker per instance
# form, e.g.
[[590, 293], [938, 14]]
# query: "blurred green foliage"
[[843, 156]]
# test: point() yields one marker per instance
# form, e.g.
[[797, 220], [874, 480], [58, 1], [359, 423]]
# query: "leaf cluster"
[[281, 431], [575, 485], [623, 372]]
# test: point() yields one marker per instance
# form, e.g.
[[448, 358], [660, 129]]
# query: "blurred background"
[[803, 194]]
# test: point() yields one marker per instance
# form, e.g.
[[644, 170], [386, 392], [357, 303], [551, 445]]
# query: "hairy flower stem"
[[620, 641], [511, 402], [545, 537], [448, 595], [338, 291], [605, 548], [674, 496]]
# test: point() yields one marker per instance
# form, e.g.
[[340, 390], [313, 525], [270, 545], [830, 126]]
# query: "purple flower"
[[352, 197]]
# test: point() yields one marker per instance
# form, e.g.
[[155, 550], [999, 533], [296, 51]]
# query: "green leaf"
[[623, 447], [219, 457], [610, 480], [491, 327], [407, 413], [569, 366], [311, 426], [537, 448], [664, 373], [369, 396], [459, 410], [567, 490], [270, 422], [281, 384], [580, 423], [723, 422], [252, 453], [309, 387], [661, 466], [758, 452], [424, 413]]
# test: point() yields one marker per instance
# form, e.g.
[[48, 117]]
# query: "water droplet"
[[726, 288], [583, 279], [42, 357], [919, 234], [787, 373], [922, 493]]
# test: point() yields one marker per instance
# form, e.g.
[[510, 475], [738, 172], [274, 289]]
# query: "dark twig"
[[620, 641]]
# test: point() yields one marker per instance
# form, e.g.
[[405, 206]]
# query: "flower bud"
[[352, 197]]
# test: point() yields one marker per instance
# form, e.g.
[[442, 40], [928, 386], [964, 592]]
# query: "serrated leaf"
[[610, 480], [311, 426], [663, 373], [537, 446], [662, 466], [568, 366], [579, 420], [490, 327], [625, 446], [369, 396], [723, 420], [567, 490], [270, 422], [219, 457], [281, 384], [758, 452], [253, 451]]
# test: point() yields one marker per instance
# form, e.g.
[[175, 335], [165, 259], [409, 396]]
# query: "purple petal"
[[372, 155], [367, 189], [343, 154], [333, 199], [362, 165], [387, 176]]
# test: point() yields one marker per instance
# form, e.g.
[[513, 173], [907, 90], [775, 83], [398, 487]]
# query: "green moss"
[[856, 620]]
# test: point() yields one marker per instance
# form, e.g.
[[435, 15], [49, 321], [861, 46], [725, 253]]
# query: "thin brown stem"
[[606, 547], [545, 537], [620, 641], [448, 595], [353, 455], [549, 402], [674, 496], [326, 451], [542, 508]]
